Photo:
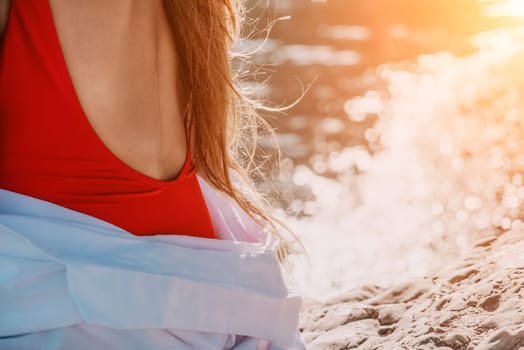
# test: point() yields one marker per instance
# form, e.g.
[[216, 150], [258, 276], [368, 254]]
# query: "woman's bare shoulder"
[[4, 13]]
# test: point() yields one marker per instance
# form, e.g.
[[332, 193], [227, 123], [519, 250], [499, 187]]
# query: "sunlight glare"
[[508, 8]]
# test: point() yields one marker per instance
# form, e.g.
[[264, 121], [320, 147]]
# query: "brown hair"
[[221, 122]]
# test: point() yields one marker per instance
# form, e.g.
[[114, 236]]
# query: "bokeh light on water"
[[410, 144]]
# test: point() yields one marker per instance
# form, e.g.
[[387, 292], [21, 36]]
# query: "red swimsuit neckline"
[[187, 166]]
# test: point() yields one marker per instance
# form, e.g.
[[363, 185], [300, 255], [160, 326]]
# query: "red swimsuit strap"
[[49, 150]]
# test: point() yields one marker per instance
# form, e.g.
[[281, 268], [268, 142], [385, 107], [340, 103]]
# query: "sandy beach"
[[473, 303]]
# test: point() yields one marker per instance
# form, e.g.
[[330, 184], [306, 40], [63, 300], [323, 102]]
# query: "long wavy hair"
[[221, 121]]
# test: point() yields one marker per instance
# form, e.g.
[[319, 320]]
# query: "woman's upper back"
[[89, 116], [121, 58]]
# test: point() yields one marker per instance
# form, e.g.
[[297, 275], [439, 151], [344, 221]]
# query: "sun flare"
[[510, 8]]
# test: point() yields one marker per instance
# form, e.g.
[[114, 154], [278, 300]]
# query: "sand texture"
[[473, 303]]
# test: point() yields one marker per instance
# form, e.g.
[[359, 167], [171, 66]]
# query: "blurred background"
[[408, 145]]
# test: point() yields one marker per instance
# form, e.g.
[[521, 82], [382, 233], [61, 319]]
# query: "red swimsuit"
[[49, 150]]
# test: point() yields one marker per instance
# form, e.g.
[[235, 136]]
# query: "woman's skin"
[[121, 58]]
